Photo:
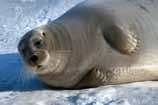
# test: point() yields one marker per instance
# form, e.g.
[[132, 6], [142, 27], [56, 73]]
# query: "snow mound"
[[144, 93]]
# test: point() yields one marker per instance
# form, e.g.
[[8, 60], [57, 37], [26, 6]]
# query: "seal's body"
[[98, 42]]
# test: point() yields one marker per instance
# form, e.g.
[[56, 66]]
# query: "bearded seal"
[[97, 42]]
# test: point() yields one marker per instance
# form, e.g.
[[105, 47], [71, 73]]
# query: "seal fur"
[[98, 42]]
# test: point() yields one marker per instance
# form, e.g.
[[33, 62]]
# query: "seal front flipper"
[[96, 77], [121, 39]]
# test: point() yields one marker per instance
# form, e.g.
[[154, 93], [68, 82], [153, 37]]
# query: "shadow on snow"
[[13, 77]]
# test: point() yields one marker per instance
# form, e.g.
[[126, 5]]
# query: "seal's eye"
[[43, 33], [38, 43]]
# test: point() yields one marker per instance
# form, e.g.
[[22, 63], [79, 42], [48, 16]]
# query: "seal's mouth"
[[38, 59], [39, 66]]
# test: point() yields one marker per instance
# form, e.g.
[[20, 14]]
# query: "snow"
[[18, 87], [129, 94], [19, 16]]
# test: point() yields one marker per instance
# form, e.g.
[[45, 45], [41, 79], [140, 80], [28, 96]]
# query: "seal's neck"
[[77, 40]]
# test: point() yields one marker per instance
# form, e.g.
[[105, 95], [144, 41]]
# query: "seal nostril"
[[34, 58]]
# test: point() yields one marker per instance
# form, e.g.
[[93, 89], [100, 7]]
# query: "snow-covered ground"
[[18, 87]]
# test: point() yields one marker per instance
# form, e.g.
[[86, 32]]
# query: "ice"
[[18, 87], [144, 93]]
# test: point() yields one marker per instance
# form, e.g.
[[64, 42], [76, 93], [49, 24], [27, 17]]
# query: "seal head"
[[41, 51]]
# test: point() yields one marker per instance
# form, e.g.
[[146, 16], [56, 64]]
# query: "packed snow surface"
[[18, 87]]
